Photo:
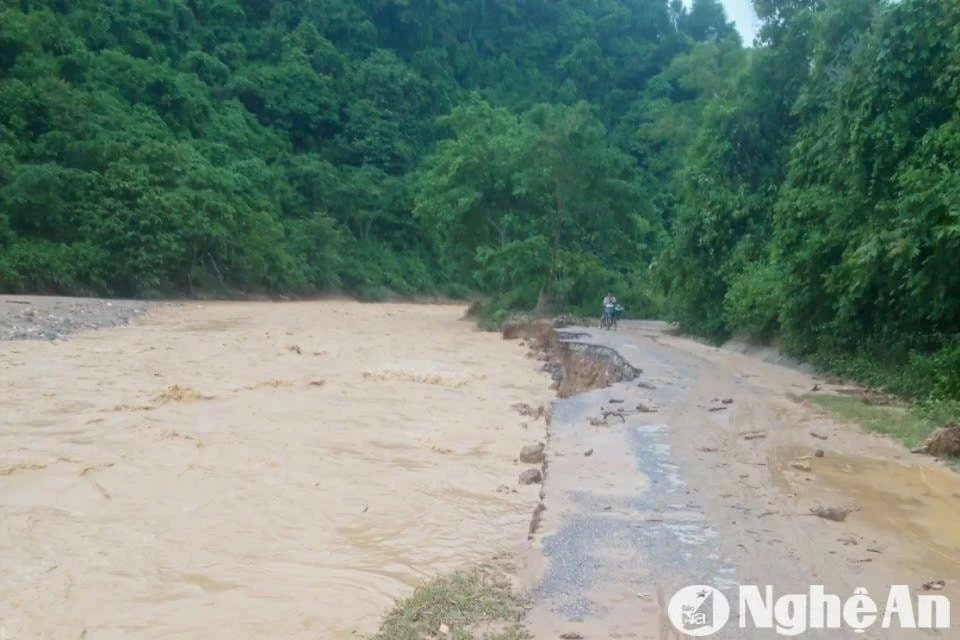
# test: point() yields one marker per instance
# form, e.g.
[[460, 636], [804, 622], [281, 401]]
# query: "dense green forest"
[[805, 189]]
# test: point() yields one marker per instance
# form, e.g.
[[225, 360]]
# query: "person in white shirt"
[[609, 305]]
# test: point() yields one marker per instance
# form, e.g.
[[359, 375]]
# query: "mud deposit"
[[918, 502], [255, 470]]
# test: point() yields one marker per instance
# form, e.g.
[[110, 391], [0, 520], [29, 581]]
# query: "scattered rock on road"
[[531, 476], [525, 409], [532, 454], [837, 514]]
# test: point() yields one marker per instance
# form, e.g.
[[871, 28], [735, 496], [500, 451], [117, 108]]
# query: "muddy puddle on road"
[[917, 502], [255, 470]]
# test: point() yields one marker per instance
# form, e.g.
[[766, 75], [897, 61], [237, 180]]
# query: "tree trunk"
[[543, 303], [555, 249], [367, 225]]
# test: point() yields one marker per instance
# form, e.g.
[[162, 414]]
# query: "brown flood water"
[[194, 476]]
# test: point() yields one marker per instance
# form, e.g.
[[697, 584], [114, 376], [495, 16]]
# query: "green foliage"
[[171, 147], [818, 205], [476, 605], [753, 301], [537, 207], [909, 425]]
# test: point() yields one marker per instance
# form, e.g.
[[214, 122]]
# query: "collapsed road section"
[[577, 366]]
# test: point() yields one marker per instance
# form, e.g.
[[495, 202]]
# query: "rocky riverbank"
[[56, 318]]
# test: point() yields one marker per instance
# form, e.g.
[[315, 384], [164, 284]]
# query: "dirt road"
[[709, 478]]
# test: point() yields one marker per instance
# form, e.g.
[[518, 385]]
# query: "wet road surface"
[[703, 481]]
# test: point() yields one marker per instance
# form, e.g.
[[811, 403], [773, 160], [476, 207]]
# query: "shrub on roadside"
[[752, 303]]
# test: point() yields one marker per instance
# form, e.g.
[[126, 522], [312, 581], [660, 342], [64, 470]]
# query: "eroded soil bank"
[[248, 470], [575, 367]]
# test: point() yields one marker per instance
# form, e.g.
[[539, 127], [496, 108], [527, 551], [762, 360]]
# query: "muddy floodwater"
[[255, 470]]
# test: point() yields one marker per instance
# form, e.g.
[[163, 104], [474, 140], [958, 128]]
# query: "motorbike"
[[610, 315]]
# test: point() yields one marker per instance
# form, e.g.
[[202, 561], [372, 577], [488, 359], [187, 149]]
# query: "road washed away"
[[255, 470], [708, 468]]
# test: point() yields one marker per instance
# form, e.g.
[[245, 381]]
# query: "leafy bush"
[[752, 303], [936, 375], [38, 266]]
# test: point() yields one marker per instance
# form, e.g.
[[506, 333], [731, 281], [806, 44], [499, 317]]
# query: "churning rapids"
[[247, 470]]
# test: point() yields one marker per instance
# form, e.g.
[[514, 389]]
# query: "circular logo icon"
[[698, 610]]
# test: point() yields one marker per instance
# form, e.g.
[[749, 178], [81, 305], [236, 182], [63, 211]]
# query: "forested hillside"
[[820, 202], [159, 146], [805, 190]]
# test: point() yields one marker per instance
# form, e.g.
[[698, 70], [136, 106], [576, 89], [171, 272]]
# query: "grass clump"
[[910, 424], [472, 605]]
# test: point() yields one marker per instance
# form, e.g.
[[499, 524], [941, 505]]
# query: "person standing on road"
[[609, 304]]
